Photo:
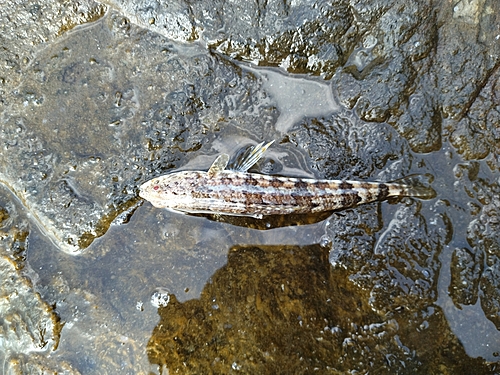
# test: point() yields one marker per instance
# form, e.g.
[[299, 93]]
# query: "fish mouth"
[[142, 190]]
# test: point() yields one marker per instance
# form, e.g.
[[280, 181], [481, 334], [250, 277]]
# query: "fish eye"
[[156, 187]]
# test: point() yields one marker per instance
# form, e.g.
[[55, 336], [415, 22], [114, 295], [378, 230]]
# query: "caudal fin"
[[417, 185]]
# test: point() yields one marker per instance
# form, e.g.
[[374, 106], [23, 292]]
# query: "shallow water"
[[100, 282]]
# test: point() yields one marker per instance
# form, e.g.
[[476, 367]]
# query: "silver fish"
[[237, 192]]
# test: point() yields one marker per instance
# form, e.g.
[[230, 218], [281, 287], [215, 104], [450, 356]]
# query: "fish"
[[235, 191]]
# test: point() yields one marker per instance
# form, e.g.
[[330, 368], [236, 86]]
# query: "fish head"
[[168, 191]]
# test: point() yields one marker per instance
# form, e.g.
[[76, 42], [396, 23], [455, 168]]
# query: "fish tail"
[[417, 185]]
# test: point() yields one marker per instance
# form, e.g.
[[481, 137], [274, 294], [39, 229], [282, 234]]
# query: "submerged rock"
[[284, 309]]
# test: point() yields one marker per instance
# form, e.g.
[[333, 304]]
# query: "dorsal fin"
[[250, 157], [218, 165]]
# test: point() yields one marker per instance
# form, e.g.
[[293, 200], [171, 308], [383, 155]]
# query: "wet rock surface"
[[90, 112], [29, 327], [95, 129], [483, 235]]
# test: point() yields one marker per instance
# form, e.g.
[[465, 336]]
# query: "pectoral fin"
[[218, 165]]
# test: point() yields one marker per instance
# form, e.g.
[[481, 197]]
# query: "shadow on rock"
[[269, 222]]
